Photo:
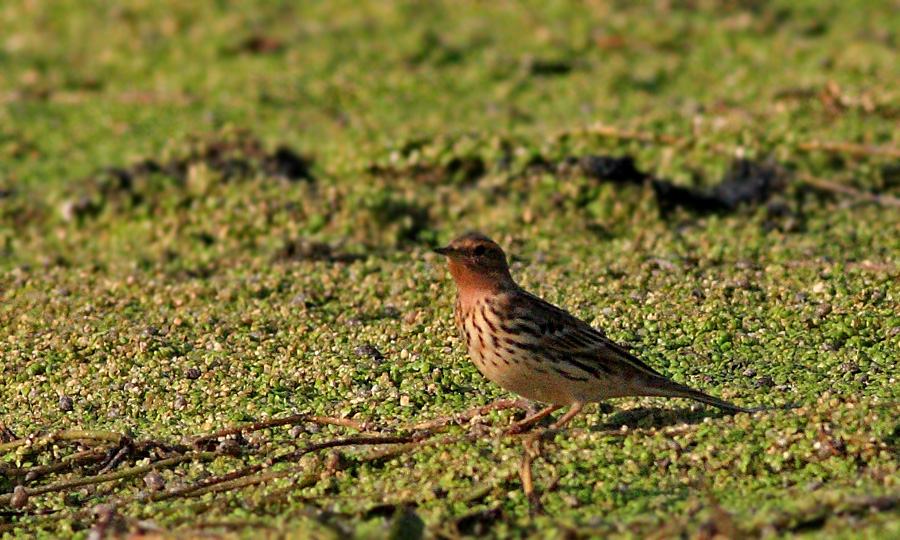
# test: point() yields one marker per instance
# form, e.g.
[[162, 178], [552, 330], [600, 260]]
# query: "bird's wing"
[[564, 336], [580, 352]]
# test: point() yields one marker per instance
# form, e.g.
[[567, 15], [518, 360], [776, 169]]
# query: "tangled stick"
[[114, 458]]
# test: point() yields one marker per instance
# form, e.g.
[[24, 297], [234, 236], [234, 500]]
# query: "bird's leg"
[[520, 426], [531, 448], [574, 409], [525, 471], [529, 452]]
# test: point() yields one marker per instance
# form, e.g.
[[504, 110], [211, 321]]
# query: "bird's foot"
[[523, 425]]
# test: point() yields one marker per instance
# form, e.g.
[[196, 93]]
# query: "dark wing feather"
[[565, 338], [564, 335]]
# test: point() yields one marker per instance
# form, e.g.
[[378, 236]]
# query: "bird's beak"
[[446, 251]]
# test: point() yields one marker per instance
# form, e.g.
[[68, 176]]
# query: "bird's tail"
[[667, 388]]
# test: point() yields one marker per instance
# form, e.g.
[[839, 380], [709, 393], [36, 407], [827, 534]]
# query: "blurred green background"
[[250, 190]]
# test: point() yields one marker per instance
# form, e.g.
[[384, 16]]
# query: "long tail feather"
[[667, 388]]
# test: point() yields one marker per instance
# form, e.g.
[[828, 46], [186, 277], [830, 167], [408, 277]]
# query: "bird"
[[539, 351]]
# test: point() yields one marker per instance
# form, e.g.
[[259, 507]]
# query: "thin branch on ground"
[[277, 422], [464, 416], [852, 149], [834, 187], [130, 472], [39, 441]]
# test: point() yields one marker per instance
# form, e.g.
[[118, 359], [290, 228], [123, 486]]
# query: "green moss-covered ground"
[[215, 214]]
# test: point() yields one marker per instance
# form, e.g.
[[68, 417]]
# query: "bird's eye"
[[478, 251]]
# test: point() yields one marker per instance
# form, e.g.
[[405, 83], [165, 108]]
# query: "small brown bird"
[[538, 350]]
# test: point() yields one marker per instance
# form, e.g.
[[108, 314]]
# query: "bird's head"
[[477, 262]]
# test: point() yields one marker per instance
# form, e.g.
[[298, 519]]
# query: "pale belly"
[[512, 369], [521, 377]]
